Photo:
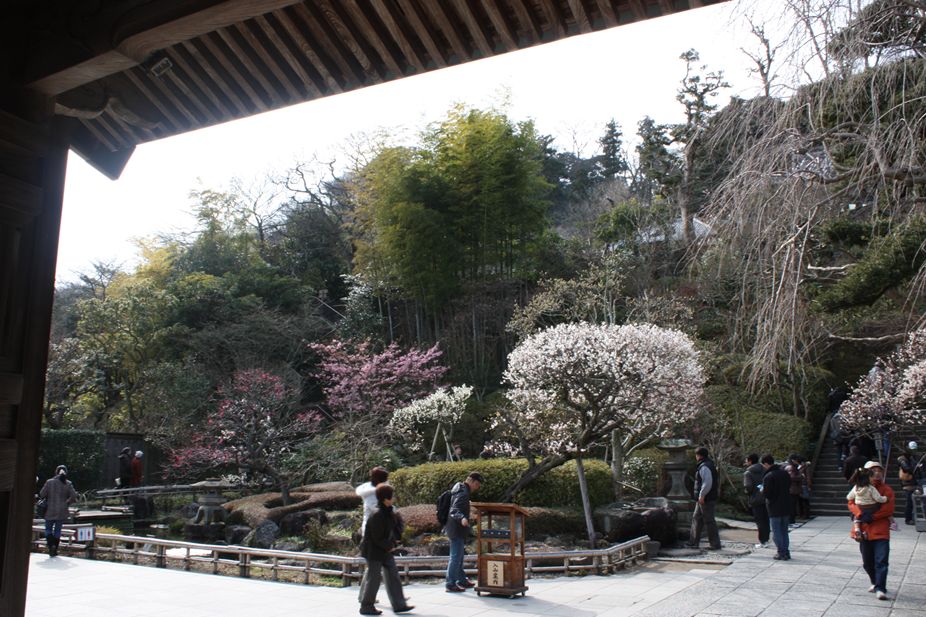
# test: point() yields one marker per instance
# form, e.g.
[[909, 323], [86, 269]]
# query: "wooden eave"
[[138, 70]]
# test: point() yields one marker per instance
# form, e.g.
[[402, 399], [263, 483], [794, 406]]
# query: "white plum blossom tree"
[[573, 384], [441, 410], [891, 396]]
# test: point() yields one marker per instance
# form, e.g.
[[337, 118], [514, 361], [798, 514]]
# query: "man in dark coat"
[[752, 483], [909, 469], [705, 492], [125, 467], [854, 462], [776, 488], [377, 546], [458, 529]]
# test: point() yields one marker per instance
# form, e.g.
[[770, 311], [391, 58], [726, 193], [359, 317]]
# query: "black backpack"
[[443, 508]]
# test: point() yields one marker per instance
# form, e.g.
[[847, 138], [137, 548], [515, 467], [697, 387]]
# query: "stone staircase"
[[828, 497]]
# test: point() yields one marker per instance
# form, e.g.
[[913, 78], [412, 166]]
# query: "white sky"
[[570, 88]]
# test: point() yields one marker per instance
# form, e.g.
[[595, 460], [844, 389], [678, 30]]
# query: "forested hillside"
[[784, 233]]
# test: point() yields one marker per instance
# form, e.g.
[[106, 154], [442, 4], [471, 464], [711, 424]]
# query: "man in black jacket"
[[457, 529], [752, 483], [705, 492], [379, 540], [775, 488], [853, 462]]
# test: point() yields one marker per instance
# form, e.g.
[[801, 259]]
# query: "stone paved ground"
[[823, 579]]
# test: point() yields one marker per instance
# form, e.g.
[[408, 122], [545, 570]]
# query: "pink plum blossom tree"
[[891, 396], [363, 388], [256, 426], [573, 384], [440, 411]]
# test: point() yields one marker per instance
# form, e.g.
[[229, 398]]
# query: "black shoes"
[[780, 557], [370, 611], [407, 609]]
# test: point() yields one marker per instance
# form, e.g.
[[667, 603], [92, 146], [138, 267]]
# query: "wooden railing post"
[[244, 565]]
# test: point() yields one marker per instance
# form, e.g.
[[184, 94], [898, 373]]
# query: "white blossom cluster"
[[443, 407], [893, 393], [574, 383]]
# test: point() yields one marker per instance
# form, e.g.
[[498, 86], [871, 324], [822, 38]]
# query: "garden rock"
[[441, 548], [293, 524], [265, 534], [189, 510], [288, 544], [660, 525], [235, 534], [621, 525]]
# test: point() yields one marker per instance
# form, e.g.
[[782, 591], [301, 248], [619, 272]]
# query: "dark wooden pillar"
[[32, 168]]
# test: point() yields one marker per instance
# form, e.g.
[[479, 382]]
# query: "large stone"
[[288, 545], [440, 548], [189, 510], [659, 524], [265, 534], [235, 534], [293, 524], [619, 525]]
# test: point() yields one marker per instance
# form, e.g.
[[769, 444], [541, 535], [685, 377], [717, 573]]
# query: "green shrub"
[[559, 487], [419, 519], [643, 470], [543, 522], [81, 451], [777, 433]]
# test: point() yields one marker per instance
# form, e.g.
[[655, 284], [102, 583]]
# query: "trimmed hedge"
[[541, 522], [422, 484], [81, 451]]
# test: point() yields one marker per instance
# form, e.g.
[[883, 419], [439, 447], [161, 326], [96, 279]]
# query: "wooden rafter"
[[508, 36], [578, 12], [371, 36], [352, 72], [205, 65], [557, 25], [483, 44], [318, 63], [424, 33], [263, 53], [440, 18], [217, 98], [211, 43], [607, 12], [314, 85], [527, 20], [398, 36]]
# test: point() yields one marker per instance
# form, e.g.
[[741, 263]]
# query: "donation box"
[[500, 548]]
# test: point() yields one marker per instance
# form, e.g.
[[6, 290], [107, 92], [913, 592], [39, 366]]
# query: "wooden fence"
[[243, 560]]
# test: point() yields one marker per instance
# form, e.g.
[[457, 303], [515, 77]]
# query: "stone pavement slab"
[[824, 579]]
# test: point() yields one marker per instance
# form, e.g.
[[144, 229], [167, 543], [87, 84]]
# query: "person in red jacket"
[[876, 549], [138, 469]]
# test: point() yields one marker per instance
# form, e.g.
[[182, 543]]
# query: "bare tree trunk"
[[617, 465], [586, 504], [532, 473]]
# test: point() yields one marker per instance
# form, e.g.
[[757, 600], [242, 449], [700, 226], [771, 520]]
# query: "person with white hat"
[[909, 473], [876, 547]]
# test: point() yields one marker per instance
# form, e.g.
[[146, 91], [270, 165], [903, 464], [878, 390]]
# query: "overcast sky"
[[570, 89]]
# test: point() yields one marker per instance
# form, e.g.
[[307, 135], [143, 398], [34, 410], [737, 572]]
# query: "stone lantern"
[[676, 467], [209, 521]]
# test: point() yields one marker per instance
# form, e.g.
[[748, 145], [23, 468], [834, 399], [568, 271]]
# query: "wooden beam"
[[369, 33], [252, 69], [440, 18], [475, 29], [554, 18], [166, 112], [255, 43], [509, 37], [578, 12], [136, 48], [528, 20], [177, 58], [318, 62], [210, 45], [423, 32], [395, 31], [225, 88], [332, 46], [607, 13], [638, 9], [272, 33], [372, 72]]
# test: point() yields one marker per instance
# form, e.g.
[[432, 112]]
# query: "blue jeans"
[[875, 555], [455, 573], [53, 529], [779, 525]]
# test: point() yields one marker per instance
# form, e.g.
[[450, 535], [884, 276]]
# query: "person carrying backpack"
[[457, 528]]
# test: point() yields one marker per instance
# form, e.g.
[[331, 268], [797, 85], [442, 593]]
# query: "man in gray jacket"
[[458, 529], [706, 491]]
